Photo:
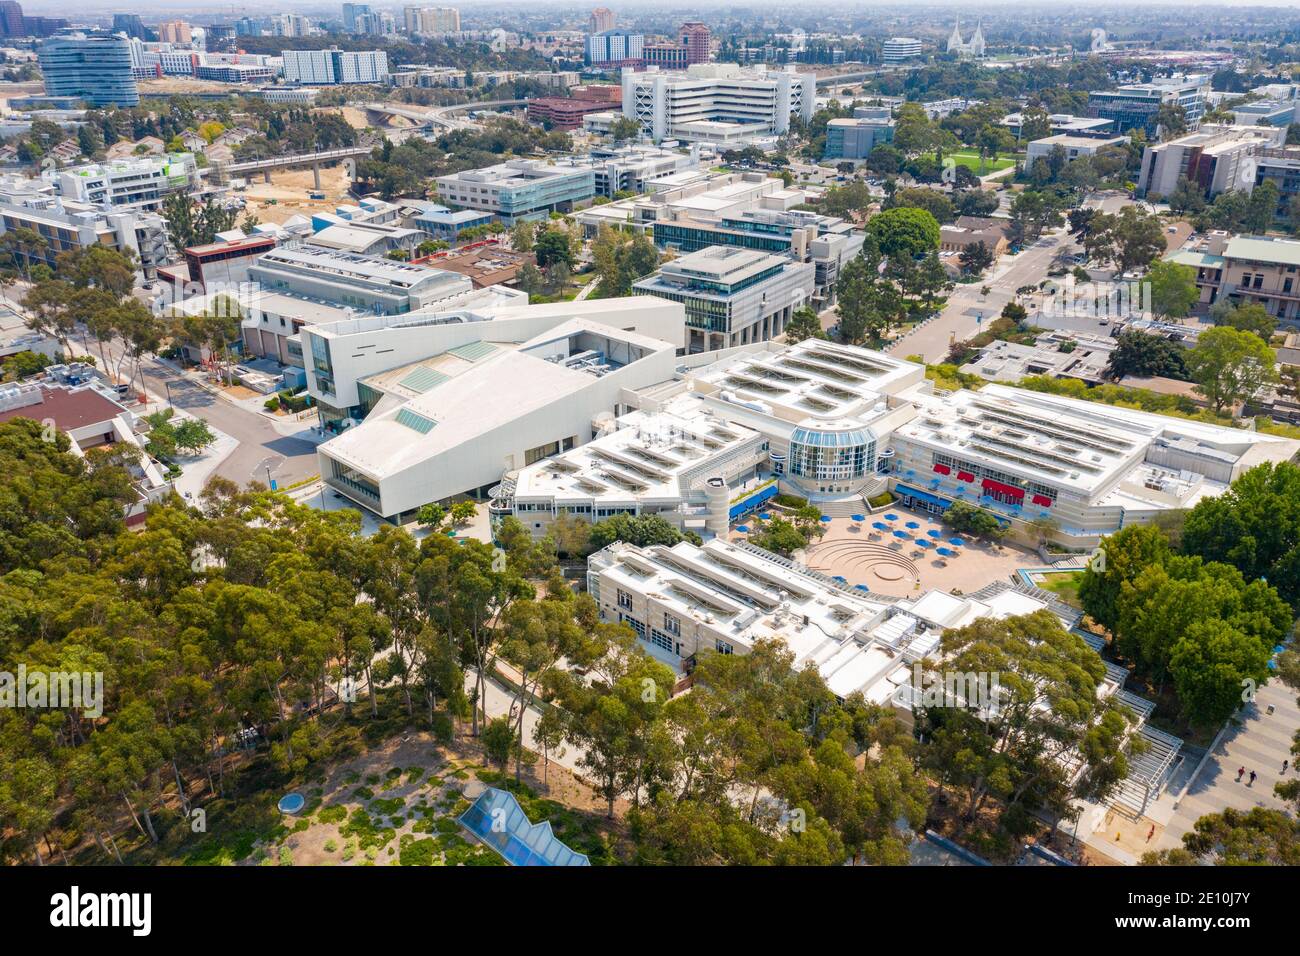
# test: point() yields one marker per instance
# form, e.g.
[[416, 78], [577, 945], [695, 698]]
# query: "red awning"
[[1009, 490], [965, 476], [1043, 500], [943, 469]]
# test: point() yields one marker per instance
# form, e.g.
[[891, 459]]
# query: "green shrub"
[[330, 846], [334, 814], [882, 499], [418, 853]]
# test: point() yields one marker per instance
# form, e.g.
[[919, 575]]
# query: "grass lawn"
[[971, 160], [1065, 585]]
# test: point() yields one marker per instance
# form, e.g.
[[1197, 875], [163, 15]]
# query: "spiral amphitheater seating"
[[856, 559]]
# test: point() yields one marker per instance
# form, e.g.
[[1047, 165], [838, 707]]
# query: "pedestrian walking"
[[1285, 764], [1241, 771], [1252, 779]]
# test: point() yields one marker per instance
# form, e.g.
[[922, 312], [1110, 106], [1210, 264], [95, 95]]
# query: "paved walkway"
[[1260, 743]]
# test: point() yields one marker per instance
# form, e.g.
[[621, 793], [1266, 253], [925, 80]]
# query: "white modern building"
[[900, 49], [1071, 146], [464, 418], [1090, 468], [687, 105], [344, 353], [129, 183], [842, 424], [519, 188]]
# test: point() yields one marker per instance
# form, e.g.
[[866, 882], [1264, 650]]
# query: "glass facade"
[[826, 455], [321, 364], [94, 67]]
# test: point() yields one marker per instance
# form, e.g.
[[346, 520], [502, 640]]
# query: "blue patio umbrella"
[[910, 472], [945, 552], [891, 517], [912, 524], [901, 534], [862, 587], [880, 526], [858, 517], [764, 515], [922, 543], [826, 518], [742, 528], [841, 579], [935, 533], [957, 542]]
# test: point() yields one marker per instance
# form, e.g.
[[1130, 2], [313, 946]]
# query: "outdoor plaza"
[[900, 553]]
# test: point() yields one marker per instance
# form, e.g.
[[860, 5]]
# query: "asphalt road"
[[263, 453]]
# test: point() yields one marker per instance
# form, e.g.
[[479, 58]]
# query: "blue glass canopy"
[[831, 439], [497, 819]]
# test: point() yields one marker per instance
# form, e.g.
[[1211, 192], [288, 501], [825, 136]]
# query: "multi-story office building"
[[751, 100], [519, 188], [634, 168], [562, 112], [1135, 105], [1281, 167], [351, 11], [1215, 158], [477, 395], [236, 73], [333, 66], [67, 224], [855, 138], [1281, 112], [900, 49], [601, 20], [95, 67], [825, 241], [732, 296], [1072, 146], [281, 94], [377, 285], [692, 194], [615, 49], [1062, 123], [1263, 270], [128, 23], [128, 183], [693, 44]]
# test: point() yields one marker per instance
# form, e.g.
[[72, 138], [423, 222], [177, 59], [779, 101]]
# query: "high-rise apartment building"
[[328, 67], [93, 66], [431, 20], [11, 19], [174, 31], [601, 20], [351, 11]]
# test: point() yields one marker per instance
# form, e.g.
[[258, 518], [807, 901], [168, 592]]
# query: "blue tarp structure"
[[496, 819]]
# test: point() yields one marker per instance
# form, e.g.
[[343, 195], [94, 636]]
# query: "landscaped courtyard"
[[889, 559]]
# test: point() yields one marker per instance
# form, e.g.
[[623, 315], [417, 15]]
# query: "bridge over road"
[[444, 116], [223, 172]]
